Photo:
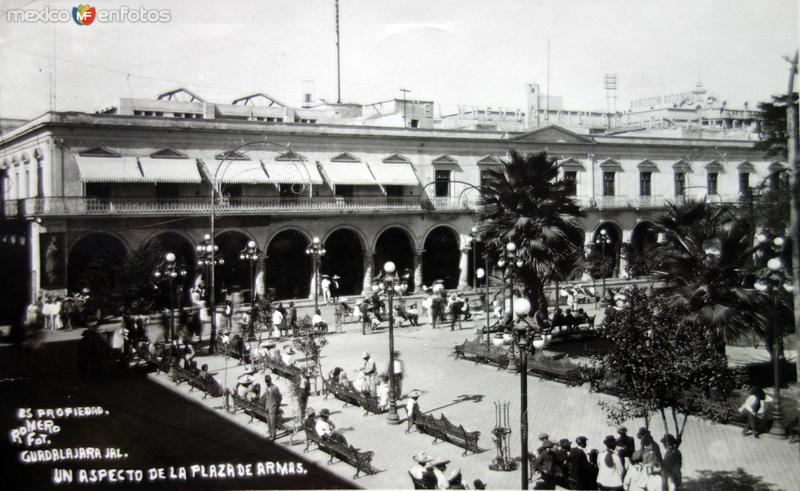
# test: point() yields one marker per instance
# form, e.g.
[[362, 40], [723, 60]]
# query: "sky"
[[470, 52]]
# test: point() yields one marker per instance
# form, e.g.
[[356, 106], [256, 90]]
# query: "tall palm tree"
[[526, 202], [704, 263]]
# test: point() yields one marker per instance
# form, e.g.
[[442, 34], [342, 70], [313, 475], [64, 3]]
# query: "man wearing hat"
[[545, 464], [325, 285], [579, 475], [243, 383], [611, 470], [273, 405], [326, 430], [335, 288], [287, 355], [370, 372], [412, 406], [628, 441], [443, 479], [422, 470], [543, 438], [673, 461], [561, 458]]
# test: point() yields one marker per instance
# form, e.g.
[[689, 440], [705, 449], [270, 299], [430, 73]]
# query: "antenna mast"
[[610, 83], [338, 60]]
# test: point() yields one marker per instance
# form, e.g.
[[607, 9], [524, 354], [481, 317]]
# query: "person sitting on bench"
[[326, 430], [317, 322]]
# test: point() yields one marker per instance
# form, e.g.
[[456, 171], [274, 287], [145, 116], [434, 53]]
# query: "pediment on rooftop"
[[550, 134], [168, 153], [98, 151]]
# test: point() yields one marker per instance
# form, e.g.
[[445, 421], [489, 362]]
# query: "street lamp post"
[[473, 244], [251, 253], [168, 271], [603, 240], [206, 258], [511, 253], [316, 251], [771, 283], [391, 284]]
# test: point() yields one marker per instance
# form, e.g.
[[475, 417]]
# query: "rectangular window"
[[414, 123], [442, 178], [711, 185], [484, 178], [344, 190], [645, 184], [98, 190], [394, 191], [680, 183], [571, 178], [744, 183], [608, 183]]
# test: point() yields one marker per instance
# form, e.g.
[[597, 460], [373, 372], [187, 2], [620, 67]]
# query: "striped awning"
[[394, 174], [292, 172], [170, 170], [109, 169], [237, 172], [355, 173]]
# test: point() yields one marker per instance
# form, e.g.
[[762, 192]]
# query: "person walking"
[[325, 285], [273, 405], [293, 318], [751, 409], [301, 388]]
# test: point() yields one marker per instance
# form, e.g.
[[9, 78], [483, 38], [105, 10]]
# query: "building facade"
[[78, 183]]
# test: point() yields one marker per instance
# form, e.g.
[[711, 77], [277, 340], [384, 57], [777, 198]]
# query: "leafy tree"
[[663, 364], [773, 127], [525, 202], [702, 264], [135, 291]]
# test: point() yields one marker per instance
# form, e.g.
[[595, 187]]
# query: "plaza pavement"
[[464, 392]]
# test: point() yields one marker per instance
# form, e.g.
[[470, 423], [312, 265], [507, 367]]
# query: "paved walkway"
[[465, 392]]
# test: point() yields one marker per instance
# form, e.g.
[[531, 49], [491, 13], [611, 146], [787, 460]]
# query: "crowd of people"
[[618, 466], [55, 312]]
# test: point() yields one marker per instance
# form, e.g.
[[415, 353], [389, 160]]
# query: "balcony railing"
[[62, 206]]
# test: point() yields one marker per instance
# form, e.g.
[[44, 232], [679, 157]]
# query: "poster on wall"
[[52, 264]]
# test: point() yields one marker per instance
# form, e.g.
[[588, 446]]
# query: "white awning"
[[109, 169], [292, 172], [170, 170], [394, 174], [355, 173], [237, 172]]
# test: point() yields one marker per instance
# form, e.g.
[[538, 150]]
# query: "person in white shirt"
[[325, 285], [754, 407], [611, 469], [383, 393], [287, 355]]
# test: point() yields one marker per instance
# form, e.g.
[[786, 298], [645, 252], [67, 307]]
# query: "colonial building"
[[372, 183]]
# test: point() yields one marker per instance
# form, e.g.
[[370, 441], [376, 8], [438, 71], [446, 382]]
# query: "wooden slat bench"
[[480, 353], [442, 429], [281, 369], [255, 409], [349, 395], [551, 369], [362, 461], [209, 386]]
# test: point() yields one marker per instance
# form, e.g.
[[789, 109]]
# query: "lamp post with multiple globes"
[[207, 258], [316, 251], [168, 270], [772, 281], [392, 284]]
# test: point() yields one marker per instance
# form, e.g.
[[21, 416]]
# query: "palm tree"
[[704, 262], [526, 203]]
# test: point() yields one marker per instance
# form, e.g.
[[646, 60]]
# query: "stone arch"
[[442, 255], [94, 261], [344, 258], [395, 243], [412, 238], [644, 238], [606, 258], [234, 274], [184, 250], [288, 268]]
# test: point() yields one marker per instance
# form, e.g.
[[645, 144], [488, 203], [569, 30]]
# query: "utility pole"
[[794, 212]]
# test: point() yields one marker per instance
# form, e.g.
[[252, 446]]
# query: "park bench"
[[480, 353], [350, 395], [281, 369], [254, 409], [553, 369], [362, 461], [588, 324], [419, 483], [208, 385], [442, 429]]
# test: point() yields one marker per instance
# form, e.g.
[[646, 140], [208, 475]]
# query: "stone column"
[[34, 252], [418, 270], [369, 263], [623, 261], [463, 269]]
